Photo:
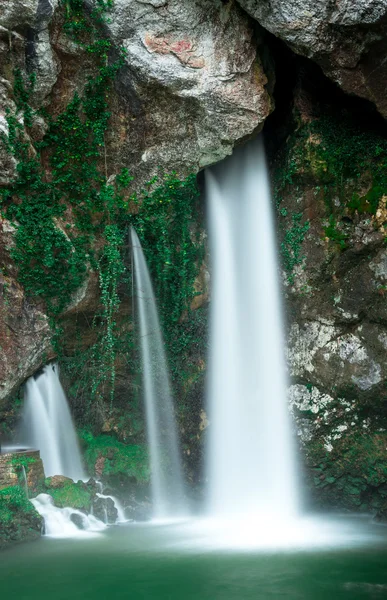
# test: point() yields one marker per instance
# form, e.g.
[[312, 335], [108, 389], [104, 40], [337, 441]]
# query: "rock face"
[[347, 38], [192, 85], [330, 191], [195, 75], [196, 79], [24, 327]]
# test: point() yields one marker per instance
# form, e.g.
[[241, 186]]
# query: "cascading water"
[[121, 517], [62, 522], [166, 474], [251, 466], [47, 425]]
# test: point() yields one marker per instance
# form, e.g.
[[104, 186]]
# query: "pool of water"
[[197, 560]]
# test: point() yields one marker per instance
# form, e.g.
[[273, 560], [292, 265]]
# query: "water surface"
[[171, 562]]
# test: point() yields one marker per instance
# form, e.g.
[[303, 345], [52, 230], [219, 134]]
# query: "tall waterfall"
[[47, 425], [251, 470], [166, 474]]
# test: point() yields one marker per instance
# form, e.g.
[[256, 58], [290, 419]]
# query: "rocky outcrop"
[[19, 521], [195, 78], [347, 38], [330, 190], [192, 85], [24, 328]]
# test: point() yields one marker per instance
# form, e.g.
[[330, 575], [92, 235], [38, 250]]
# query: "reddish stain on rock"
[[184, 50]]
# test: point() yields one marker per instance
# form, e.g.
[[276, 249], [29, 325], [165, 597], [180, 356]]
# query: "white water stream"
[[252, 470], [63, 522], [48, 427], [166, 474]]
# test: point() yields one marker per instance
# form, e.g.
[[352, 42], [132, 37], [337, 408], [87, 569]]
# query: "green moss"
[[70, 218], [354, 473], [346, 164], [174, 250], [13, 501], [115, 457], [292, 244], [71, 494], [333, 232]]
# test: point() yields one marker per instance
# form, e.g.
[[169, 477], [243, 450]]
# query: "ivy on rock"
[[71, 218]]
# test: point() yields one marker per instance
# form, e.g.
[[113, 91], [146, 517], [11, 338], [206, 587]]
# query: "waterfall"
[[121, 517], [166, 475], [251, 465], [65, 522], [48, 427]]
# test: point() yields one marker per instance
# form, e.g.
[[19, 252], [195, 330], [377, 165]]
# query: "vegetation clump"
[[105, 455], [72, 218], [19, 520], [66, 492]]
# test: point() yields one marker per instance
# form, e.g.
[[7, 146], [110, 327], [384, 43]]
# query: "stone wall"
[[11, 465]]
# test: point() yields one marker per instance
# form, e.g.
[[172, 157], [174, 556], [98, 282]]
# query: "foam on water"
[[58, 521]]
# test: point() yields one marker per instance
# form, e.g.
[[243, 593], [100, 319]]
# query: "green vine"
[[174, 252], [71, 218], [292, 243]]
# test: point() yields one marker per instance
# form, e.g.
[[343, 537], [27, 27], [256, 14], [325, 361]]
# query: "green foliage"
[[18, 461], [75, 495], [164, 225], [67, 182], [111, 268], [52, 259], [116, 457], [334, 233], [292, 243], [12, 501], [349, 151], [174, 251]]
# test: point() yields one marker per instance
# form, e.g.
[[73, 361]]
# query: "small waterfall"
[[48, 427], [166, 475], [121, 518], [65, 522], [252, 469], [25, 481]]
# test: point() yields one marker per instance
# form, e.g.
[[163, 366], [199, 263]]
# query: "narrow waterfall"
[[166, 473], [251, 465], [47, 425]]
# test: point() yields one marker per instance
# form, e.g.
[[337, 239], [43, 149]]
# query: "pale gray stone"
[[347, 38]]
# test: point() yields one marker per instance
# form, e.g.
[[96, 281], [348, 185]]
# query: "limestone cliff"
[[95, 93], [191, 84]]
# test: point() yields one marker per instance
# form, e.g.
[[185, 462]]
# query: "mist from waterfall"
[[47, 425], [166, 473], [252, 469]]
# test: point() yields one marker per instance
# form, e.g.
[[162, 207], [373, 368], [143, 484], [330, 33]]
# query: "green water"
[[144, 562]]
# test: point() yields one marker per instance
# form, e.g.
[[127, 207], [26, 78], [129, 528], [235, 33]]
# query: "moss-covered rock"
[[65, 492], [105, 455], [330, 181], [19, 521]]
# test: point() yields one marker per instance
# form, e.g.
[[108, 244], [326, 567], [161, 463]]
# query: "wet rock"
[[77, 520], [58, 481], [346, 38], [105, 510]]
